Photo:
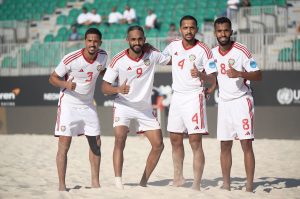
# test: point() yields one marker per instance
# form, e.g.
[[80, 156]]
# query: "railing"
[[42, 58]]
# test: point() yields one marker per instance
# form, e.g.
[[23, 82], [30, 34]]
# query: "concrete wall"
[[270, 122]]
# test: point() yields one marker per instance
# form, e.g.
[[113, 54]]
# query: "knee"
[[159, 147], [120, 142]]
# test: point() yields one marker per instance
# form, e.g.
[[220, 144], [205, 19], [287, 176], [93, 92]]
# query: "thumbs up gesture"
[[124, 88], [70, 85], [195, 73], [232, 73]]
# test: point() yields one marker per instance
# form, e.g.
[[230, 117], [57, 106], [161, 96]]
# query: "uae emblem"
[[99, 67], [147, 62], [192, 57], [231, 62], [63, 128]]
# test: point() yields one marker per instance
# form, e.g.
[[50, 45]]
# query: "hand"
[[124, 89], [194, 71], [232, 73], [70, 85]]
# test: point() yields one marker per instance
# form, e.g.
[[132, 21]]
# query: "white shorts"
[[188, 113], [235, 119], [145, 119], [73, 120]]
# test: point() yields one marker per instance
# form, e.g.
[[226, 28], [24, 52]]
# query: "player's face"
[[136, 41], [92, 43], [188, 29], [223, 33]]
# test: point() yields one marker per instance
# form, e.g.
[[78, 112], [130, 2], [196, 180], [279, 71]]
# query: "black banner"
[[276, 89]]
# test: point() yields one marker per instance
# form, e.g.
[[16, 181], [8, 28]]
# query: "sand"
[[28, 170]]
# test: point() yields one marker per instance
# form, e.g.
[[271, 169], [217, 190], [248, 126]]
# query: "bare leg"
[[64, 143], [118, 158], [226, 162], [198, 160], [95, 166], [178, 157], [156, 141], [249, 161]]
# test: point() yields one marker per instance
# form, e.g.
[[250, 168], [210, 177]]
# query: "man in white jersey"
[[236, 67], [134, 68], [190, 58], [76, 77]]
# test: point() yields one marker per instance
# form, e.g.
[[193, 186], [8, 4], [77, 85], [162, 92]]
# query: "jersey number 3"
[[90, 76]]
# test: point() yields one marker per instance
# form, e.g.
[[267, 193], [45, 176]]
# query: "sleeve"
[[161, 58], [62, 69], [208, 62], [249, 63], [167, 51], [111, 74]]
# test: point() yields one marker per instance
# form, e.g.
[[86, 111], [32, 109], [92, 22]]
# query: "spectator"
[[74, 36], [94, 17], [129, 15], [245, 3], [232, 9], [172, 33], [114, 17], [150, 21], [84, 17]]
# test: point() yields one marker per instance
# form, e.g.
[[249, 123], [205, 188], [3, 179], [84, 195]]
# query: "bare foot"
[[118, 182], [143, 183], [196, 187], [249, 189], [96, 185], [178, 183], [62, 188], [225, 187]]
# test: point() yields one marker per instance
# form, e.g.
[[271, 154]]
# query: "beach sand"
[[28, 170]]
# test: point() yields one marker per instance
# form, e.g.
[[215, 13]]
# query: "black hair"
[[188, 17], [93, 31], [222, 20], [135, 27]]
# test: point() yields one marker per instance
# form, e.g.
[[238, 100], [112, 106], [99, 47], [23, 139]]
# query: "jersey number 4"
[[181, 63]]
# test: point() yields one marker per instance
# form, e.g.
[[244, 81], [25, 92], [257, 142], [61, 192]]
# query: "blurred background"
[[36, 34]]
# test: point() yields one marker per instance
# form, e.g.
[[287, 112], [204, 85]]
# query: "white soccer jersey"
[[183, 60], [139, 74], [85, 75], [239, 57]]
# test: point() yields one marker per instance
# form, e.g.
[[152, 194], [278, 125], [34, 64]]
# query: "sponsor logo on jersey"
[[192, 57], [196, 128], [99, 67], [81, 70], [129, 68], [287, 96], [231, 62], [212, 64], [147, 62], [63, 128], [253, 64]]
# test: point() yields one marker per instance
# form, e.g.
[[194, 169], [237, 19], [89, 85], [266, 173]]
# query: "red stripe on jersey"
[[116, 58], [243, 49], [70, 60], [71, 57], [206, 49], [59, 110]]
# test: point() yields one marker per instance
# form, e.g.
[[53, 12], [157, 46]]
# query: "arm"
[[108, 89], [255, 75], [56, 81], [212, 79]]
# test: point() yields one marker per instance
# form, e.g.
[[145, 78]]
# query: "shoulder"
[[242, 48], [102, 52], [72, 56], [205, 48], [117, 58]]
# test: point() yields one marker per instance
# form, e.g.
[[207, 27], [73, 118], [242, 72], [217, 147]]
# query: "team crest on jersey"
[[147, 62], [63, 128], [231, 62], [99, 67], [192, 57]]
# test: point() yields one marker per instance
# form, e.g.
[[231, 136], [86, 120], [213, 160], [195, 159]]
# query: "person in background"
[[74, 36], [172, 33], [114, 16], [129, 15], [151, 20]]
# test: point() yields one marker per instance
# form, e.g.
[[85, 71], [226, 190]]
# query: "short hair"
[[222, 20], [188, 17], [135, 27], [93, 31]]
